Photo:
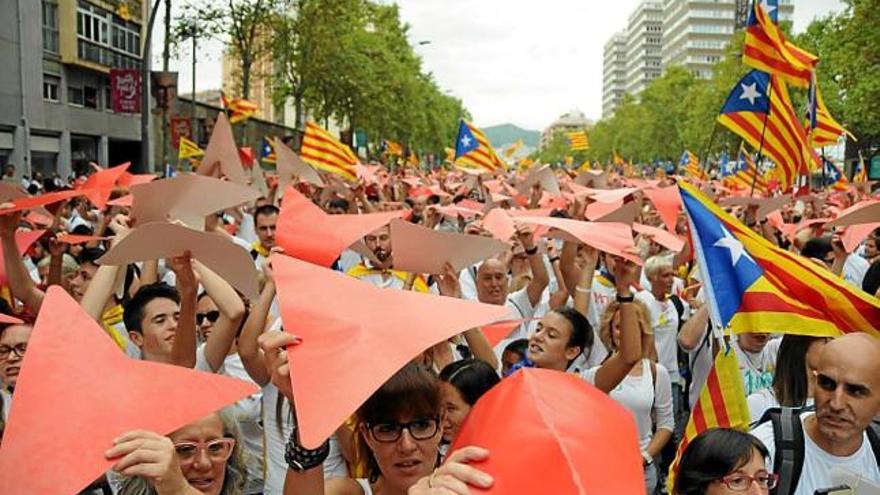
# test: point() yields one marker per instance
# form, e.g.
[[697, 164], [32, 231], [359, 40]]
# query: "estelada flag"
[[752, 285], [722, 404], [188, 149]]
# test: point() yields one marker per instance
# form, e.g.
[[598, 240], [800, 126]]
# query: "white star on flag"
[[731, 167], [749, 92], [736, 248], [767, 7], [465, 141]]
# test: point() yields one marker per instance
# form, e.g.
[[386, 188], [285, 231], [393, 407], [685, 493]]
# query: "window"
[[50, 87], [108, 98], [92, 23], [50, 26], [90, 97], [75, 95]]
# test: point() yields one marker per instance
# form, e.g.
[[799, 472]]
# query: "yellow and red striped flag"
[[616, 159], [766, 49], [824, 129], [742, 173], [241, 110], [324, 152], [753, 285], [691, 166], [722, 404], [578, 140], [188, 149], [473, 150], [513, 148], [413, 159], [393, 148]]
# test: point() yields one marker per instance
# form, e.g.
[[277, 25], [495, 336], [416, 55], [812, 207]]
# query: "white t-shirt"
[[763, 400], [816, 472], [854, 269], [701, 360], [664, 322], [757, 368], [640, 395]]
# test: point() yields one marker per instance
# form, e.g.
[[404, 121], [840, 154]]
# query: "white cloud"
[[510, 61]]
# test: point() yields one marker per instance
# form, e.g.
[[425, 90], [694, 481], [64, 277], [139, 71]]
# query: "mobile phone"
[[836, 490]]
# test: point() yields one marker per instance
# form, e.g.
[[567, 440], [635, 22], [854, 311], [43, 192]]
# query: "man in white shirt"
[[847, 395]]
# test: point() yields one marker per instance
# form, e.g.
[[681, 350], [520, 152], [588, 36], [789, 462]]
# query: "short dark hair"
[[713, 455], [581, 330], [82, 229], [471, 377], [817, 247], [133, 311], [266, 211], [519, 346], [338, 203], [90, 255]]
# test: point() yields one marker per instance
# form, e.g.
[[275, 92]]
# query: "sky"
[[521, 62]]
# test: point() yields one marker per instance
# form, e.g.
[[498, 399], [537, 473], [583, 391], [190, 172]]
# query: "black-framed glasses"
[[419, 429], [740, 482], [18, 349], [211, 316]]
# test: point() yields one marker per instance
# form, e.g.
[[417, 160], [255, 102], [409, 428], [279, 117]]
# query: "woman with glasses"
[[400, 426], [13, 344], [203, 457], [724, 461]]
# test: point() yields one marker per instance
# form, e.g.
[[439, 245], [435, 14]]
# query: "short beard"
[[382, 255]]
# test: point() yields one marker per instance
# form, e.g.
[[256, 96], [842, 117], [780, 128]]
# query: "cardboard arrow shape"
[[72, 365], [306, 232], [163, 240], [99, 185], [765, 205], [543, 176], [422, 250], [290, 165], [662, 237], [188, 198], [78, 239], [583, 444], [499, 331], [499, 223], [614, 195], [352, 348], [221, 155], [613, 212], [863, 212], [128, 179], [455, 211], [667, 200], [34, 202], [24, 239], [610, 237]]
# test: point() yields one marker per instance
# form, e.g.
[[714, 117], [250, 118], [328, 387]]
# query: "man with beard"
[[378, 271], [840, 433]]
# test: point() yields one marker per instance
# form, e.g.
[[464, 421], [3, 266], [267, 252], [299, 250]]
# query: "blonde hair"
[[655, 263], [649, 350]]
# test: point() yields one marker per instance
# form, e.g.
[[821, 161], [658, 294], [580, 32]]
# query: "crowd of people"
[[639, 332]]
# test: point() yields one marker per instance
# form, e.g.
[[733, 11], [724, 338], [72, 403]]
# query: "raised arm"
[[540, 278], [619, 364], [448, 285], [231, 313], [584, 285], [21, 285], [694, 329], [104, 281], [254, 326], [183, 351]]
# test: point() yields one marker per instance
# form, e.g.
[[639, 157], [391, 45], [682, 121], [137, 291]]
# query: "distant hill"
[[506, 134]]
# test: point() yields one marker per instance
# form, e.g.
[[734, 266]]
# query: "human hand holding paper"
[[274, 346], [456, 474]]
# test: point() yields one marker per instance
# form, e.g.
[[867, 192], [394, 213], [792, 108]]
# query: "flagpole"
[[763, 131], [823, 167], [704, 156]]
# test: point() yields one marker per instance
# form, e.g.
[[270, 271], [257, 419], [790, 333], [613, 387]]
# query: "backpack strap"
[[679, 308], [873, 432], [788, 461]]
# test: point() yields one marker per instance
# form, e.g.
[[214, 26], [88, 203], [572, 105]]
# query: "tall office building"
[[644, 34], [613, 73], [55, 98], [696, 33]]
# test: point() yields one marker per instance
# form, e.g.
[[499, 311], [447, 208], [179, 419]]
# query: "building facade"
[[644, 33], [613, 73], [696, 33], [574, 120], [55, 99]]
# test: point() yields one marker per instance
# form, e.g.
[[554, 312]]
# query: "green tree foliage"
[[558, 149], [678, 111], [351, 61]]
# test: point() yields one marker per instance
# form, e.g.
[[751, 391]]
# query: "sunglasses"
[[211, 316], [218, 450]]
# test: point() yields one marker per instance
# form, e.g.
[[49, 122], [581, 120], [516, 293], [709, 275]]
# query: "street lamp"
[[145, 94]]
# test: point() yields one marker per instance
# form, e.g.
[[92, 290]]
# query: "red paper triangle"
[[307, 233], [355, 336], [580, 440], [24, 239], [99, 185], [77, 392], [668, 203]]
